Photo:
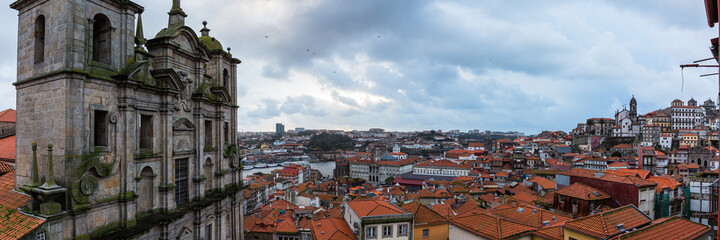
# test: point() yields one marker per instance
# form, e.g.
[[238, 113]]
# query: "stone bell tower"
[[119, 136]]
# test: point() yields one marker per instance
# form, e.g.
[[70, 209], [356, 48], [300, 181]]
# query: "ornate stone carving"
[[182, 144], [113, 118], [88, 184]]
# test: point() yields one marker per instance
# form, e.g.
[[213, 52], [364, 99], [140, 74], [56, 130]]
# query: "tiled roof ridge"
[[604, 224]]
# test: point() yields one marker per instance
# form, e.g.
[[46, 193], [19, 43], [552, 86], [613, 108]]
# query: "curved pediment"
[[183, 37], [221, 93], [183, 124], [168, 79]]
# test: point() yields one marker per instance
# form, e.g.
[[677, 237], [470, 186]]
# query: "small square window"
[[426, 233], [402, 229], [371, 232], [387, 231]]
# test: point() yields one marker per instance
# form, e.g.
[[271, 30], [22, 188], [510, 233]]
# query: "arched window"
[[102, 31], [226, 77], [146, 190], [40, 39]]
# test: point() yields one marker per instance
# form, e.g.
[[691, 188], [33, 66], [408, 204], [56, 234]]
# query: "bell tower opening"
[[39, 39], [102, 32]]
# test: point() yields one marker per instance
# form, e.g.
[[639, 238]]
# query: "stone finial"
[[176, 4], [228, 50], [205, 31], [34, 180], [177, 16], [50, 180], [139, 35]]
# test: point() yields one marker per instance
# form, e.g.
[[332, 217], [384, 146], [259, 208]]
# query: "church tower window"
[[226, 77], [40, 39], [208, 134], [181, 179], [100, 128], [101, 43], [146, 132]]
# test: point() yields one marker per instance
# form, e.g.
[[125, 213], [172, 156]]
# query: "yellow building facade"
[[434, 232]]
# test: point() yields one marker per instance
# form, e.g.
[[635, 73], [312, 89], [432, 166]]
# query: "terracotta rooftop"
[[525, 197], [14, 223], [489, 226], [604, 225], [364, 208], [529, 215], [424, 216], [7, 148], [582, 191], [331, 229], [550, 233], [5, 168], [8, 115], [664, 182], [633, 180], [443, 210], [670, 228], [544, 182]]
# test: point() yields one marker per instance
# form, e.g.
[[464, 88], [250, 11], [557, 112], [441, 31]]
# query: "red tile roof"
[[544, 182], [529, 215], [331, 229], [365, 208], [644, 174], [424, 216], [5, 168], [8, 115], [424, 193], [14, 223], [488, 226], [633, 180], [443, 210], [668, 229], [582, 191], [550, 233], [664, 182], [525, 197], [7, 148], [603, 225]]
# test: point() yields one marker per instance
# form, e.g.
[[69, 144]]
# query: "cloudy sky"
[[416, 65]]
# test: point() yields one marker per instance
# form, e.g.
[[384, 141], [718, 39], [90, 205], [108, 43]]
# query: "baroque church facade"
[[626, 121], [123, 137]]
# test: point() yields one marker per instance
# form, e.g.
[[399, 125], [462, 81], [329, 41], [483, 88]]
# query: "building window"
[[100, 128], [402, 229], [226, 78], [208, 133], [40, 236], [372, 232], [208, 174], [208, 232], [426, 233], [387, 231], [40, 39], [101, 39], [181, 177], [146, 131], [226, 131]]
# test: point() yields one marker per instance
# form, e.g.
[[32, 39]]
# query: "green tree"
[[329, 142], [389, 180]]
